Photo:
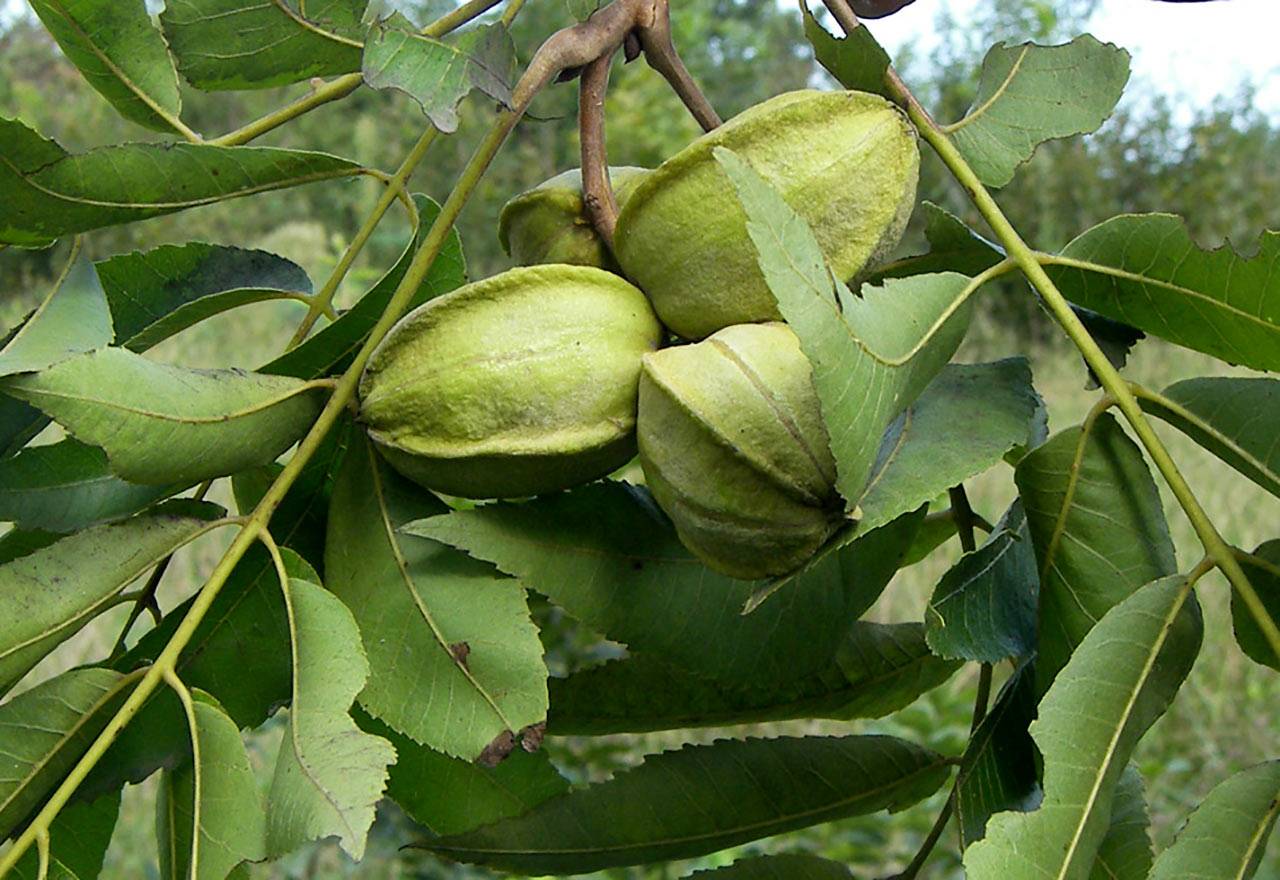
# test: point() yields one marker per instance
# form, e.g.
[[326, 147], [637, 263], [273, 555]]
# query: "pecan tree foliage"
[[395, 625]]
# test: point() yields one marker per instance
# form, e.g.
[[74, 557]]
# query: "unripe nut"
[[548, 224], [847, 162], [735, 451], [517, 385]]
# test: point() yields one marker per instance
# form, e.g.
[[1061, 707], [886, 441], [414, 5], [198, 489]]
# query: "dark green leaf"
[[1226, 836], [48, 595], [71, 320], [782, 867], [121, 54], [455, 659], [872, 355], [879, 669], [48, 192], [964, 423], [1099, 531], [161, 424], [1237, 420], [258, 44], [1144, 270], [984, 608], [16, 543], [998, 772], [856, 61], [450, 796], [1125, 853], [953, 247], [45, 731], [155, 294], [1264, 575], [78, 840], [1115, 338], [1121, 679], [701, 799], [332, 348], [438, 74], [608, 556], [329, 775], [1030, 94], [20, 422], [209, 815]]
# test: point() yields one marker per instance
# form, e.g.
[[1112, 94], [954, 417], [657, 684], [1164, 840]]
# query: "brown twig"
[[597, 190], [660, 52]]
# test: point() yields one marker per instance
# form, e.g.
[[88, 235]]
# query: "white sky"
[[1195, 51]]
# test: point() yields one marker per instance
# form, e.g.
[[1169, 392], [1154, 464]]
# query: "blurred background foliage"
[[1214, 165]]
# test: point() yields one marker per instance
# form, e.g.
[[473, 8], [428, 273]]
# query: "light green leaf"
[[879, 669], [209, 815], [702, 799], [450, 796], [78, 840], [1121, 678], [67, 486], [1237, 420], [953, 247], [455, 661], [329, 775], [1264, 574], [71, 320], [984, 608], [1099, 531], [157, 293], [963, 424], [45, 731], [1226, 836], [121, 54], [438, 74], [162, 424], [780, 867], [608, 556], [1144, 270], [48, 192], [998, 771], [857, 61], [48, 595], [1030, 94], [1125, 853], [332, 348], [259, 44], [872, 355]]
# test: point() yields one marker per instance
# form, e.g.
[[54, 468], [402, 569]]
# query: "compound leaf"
[[1144, 270], [1098, 527], [701, 799], [162, 424], [1120, 679], [71, 320], [121, 54], [1030, 94]]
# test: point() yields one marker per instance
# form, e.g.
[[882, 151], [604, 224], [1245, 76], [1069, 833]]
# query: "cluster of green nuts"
[[557, 373]]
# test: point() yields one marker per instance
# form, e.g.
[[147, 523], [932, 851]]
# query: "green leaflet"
[[49, 193], [872, 355], [71, 320], [329, 775], [1098, 527], [878, 669], [1144, 270], [121, 54], [856, 61], [1030, 94], [1262, 572], [161, 424], [1227, 834], [48, 595], [953, 247], [1125, 853], [1235, 419], [209, 815], [701, 799], [1120, 679], [265, 44], [438, 74], [455, 661]]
